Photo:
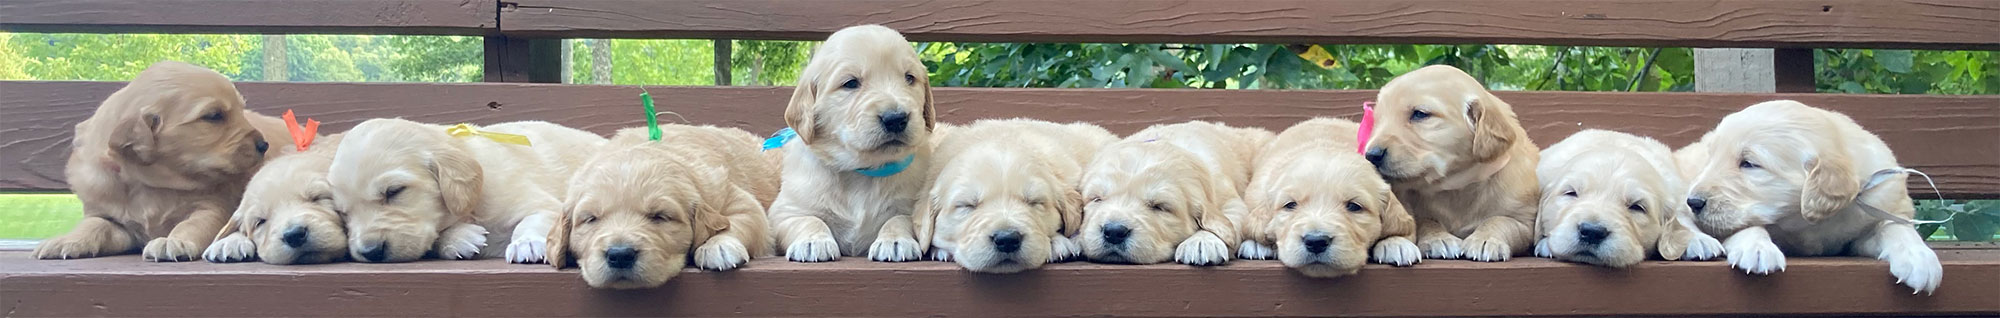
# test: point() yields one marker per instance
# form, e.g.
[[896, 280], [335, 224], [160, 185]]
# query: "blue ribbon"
[[888, 169], [780, 138]]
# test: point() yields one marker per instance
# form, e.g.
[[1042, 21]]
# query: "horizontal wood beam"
[[1929, 24], [1953, 138], [772, 287], [432, 17]]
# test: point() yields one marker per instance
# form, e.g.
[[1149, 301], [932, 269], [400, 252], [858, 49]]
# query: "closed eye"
[[1636, 207], [657, 217], [1569, 193], [1746, 164], [588, 219], [215, 116], [1418, 115], [1159, 207], [390, 193]]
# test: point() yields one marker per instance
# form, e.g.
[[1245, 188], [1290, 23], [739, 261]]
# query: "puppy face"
[[863, 100], [1767, 162], [400, 183], [631, 217], [996, 210], [1142, 200], [1602, 204], [287, 211], [181, 126], [1326, 212], [1436, 120]]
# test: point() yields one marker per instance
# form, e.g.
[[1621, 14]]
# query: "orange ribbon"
[[302, 137]]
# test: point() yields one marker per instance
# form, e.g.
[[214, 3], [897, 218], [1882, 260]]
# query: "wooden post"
[[276, 66], [722, 62], [521, 60], [1733, 71]]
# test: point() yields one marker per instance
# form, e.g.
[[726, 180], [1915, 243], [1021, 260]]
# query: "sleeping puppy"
[[1460, 161], [635, 213], [1170, 192], [162, 162], [287, 215], [1005, 198], [1322, 206], [863, 116], [1782, 178], [411, 189], [1612, 199]]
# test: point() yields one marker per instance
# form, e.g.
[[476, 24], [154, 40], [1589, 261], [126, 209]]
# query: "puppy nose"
[[374, 253], [1697, 203], [262, 146], [620, 257], [1316, 242], [1591, 233], [1007, 241], [1115, 233], [894, 122], [1375, 155], [295, 236]]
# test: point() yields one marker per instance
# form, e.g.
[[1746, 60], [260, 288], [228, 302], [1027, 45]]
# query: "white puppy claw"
[[528, 249], [233, 248], [1542, 249], [1917, 268], [1396, 250], [1062, 249], [940, 254], [721, 253], [1443, 246], [1702, 247], [1754, 255], [820, 248], [167, 249], [1202, 249], [1250, 249], [462, 241], [895, 250], [1487, 250]]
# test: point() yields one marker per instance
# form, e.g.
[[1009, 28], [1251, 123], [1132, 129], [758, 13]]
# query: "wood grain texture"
[[772, 287], [1963, 24], [1954, 138], [442, 17]]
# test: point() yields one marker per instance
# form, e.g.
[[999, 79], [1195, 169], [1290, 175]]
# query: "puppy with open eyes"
[[287, 215], [161, 164], [863, 116], [1461, 163], [1005, 198], [1781, 178], [638, 213], [410, 189], [1613, 199], [1169, 192], [1322, 206]]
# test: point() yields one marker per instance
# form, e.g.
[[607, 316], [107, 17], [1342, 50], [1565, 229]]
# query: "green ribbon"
[[652, 117]]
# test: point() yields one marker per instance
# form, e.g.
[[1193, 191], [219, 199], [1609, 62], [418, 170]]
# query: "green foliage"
[[10, 60], [438, 58], [1907, 72], [767, 63], [1975, 220], [62, 56]]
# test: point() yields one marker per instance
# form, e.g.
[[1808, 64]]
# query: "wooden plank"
[[771, 287], [1934, 24], [438, 17], [1954, 138]]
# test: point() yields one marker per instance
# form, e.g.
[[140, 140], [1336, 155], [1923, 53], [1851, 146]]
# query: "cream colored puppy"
[[1005, 199], [287, 215], [1322, 206], [1170, 192], [162, 163], [1460, 161], [863, 116], [410, 189], [1613, 199], [1781, 178], [635, 213]]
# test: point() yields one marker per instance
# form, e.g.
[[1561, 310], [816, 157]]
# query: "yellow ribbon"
[[466, 130]]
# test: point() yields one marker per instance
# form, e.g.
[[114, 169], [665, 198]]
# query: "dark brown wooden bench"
[[1954, 138]]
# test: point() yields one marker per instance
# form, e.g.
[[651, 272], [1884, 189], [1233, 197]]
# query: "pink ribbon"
[[1367, 126]]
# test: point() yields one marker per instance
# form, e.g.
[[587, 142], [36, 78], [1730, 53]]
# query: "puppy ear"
[[924, 220], [134, 139], [930, 108], [1491, 135], [558, 241], [1396, 219], [798, 113], [232, 226], [459, 179], [1070, 208], [705, 213], [1830, 185], [1213, 215]]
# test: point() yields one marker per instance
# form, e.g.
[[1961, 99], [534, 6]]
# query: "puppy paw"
[[1702, 247], [463, 241], [721, 253], [816, 249], [1487, 249], [67, 247], [1759, 257], [1916, 267], [1542, 249], [528, 249], [1202, 249], [894, 250], [1396, 250], [941, 255], [231, 249], [1250, 249], [1063, 249], [167, 249], [1442, 247]]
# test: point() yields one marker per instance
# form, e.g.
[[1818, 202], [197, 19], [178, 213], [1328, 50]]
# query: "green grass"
[[38, 216]]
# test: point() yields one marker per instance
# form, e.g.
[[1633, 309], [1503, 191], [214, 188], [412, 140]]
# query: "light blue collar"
[[888, 169]]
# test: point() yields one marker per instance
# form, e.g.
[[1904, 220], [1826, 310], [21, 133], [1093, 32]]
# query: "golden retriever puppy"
[[1322, 206], [1005, 198], [1613, 199], [635, 213], [287, 215], [1169, 192], [162, 163], [411, 189], [1781, 178], [1460, 162], [863, 117]]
